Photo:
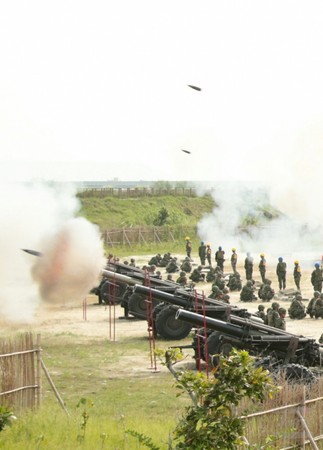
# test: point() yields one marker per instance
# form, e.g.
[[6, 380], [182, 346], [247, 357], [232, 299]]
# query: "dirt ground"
[[90, 319]]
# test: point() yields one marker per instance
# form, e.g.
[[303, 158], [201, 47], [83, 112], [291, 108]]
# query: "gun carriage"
[[274, 348]]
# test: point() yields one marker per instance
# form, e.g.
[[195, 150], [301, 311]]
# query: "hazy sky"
[[93, 90]]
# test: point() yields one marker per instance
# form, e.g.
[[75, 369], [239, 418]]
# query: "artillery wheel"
[[170, 328], [296, 373], [215, 346], [138, 305]]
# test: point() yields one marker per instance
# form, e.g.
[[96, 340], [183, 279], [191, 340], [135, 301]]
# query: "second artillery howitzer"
[[163, 314], [274, 348], [116, 279]]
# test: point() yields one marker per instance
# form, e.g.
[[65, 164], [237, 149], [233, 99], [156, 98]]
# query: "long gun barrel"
[[238, 327], [186, 300]]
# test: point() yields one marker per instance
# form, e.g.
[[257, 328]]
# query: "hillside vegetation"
[[113, 212]]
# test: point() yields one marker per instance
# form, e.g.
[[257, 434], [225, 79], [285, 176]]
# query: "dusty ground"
[[98, 321]]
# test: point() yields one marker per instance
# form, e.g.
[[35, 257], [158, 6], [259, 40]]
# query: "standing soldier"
[[297, 275], [208, 254], [202, 253], [234, 260], [316, 278], [188, 247], [219, 258], [281, 273], [262, 267], [248, 265]]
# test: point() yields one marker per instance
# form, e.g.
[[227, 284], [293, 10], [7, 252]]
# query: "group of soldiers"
[[205, 254]]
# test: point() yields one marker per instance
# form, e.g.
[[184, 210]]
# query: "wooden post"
[[54, 387], [38, 371]]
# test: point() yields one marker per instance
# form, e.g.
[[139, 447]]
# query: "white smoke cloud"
[[42, 218], [291, 183]]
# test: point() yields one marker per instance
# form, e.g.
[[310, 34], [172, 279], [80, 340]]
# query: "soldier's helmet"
[[132, 260], [249, 283], [317, 293], [225, 290], [202, 242], [226, 297], [199, 268], [215, 288], [220, 248], [298, 297], [187, 238], [282, 310], [296, 262], [317, 265], [126, 262], [262, 255], [182, 273], [261, 308], [280, 259], [233, 249], [208, 244], [275, 305]]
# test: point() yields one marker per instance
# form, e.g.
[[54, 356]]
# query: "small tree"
[[162, 217], [210, 423]]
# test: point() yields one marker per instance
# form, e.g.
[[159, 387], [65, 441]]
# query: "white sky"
[[93, 90]]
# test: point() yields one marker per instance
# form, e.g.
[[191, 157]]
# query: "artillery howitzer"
[[275, 349], [163, 318], [116, 278]]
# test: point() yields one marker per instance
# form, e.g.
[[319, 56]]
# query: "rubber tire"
[[296, 373], [170, 328], [216, 347], [137, 306]]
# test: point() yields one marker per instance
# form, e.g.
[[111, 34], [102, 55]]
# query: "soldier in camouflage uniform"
[[202, 253], [316, 278], [182, 279], [262, 267], [219, 281], [208, 254], [297, 309], [247, 293], [165, 259], [188, 247], [281, 273], [266, 292], [216, 293], [219, 258], [234, 260], [280, 321], [197, 275], [272, 314], [261, 312], [226, 298], [297, 274], [310, 310], [318, 308], [210, 276], [234, 283], [248, 265], [172, 266], [186, 265], [155, 260]]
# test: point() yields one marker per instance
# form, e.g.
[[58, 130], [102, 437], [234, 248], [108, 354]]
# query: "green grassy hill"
[[114, 212]]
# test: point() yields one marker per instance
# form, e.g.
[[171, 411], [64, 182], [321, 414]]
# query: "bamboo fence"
[[20, 372], [115, 237]]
